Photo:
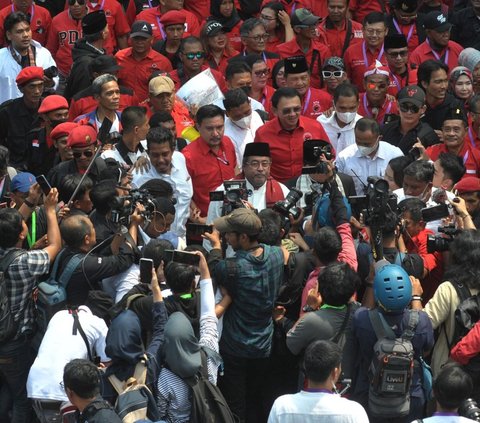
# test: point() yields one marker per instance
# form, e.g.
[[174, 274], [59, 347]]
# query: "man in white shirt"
[[131, 146], [61, 343], [168, 165], [21, 52], [263, 191], [368, 156], [340, 126], [241, 122], [317, 402]]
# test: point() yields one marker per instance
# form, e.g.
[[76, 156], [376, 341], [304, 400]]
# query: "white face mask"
[[346, 117], [366, 151], [244, 122], [423, 196]]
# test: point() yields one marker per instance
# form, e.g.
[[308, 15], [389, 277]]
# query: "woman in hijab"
[[224, 11], [461, 83], [182, 353]]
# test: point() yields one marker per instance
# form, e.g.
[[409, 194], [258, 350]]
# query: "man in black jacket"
[[466, 25]]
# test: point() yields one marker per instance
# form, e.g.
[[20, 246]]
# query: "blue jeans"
[[16, 358]]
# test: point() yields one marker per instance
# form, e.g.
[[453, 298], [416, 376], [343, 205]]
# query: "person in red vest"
[[396, 51], [455, 141], [359, 58], [306, 43], [338, 31], [40, 20], [314, 101], [438, 45], [374, 102]]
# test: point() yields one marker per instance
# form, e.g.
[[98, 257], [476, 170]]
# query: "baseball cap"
[[303, 18], [141, 29], [53, 102], [104, 64], [213, 28], [412, 94], [437, 21], [243, 221], [334, 62], [22, 182], [94, 22], [28, 74], [161, 84]]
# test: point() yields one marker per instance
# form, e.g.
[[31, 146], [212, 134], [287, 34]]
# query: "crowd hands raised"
[[303, 246]]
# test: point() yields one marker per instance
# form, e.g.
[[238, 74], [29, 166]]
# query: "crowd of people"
[[306, 242]]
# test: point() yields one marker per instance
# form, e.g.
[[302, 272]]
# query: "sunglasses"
[[334, 74], [290, 110], [398, 53], [80, 2], [87, 154], [198, 55], [263, 72], [409, 108]]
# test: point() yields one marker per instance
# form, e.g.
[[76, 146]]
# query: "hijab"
[[227, 23]]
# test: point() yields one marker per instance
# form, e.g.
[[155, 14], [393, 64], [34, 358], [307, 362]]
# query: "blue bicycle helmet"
[[392, 288]]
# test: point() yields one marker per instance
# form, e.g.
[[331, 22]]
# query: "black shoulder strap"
[[348, 36], [463, 293], [344, 325], [78, 326], [380, 326], [315, 56], [8, 259]]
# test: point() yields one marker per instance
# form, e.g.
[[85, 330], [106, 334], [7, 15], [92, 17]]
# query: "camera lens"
[[469, 409]]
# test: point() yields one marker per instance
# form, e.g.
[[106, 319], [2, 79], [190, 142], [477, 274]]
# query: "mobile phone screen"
[[146, 267], [42, 181]]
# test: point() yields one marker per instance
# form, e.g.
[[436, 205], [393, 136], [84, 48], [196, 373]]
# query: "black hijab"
[[227, 23]]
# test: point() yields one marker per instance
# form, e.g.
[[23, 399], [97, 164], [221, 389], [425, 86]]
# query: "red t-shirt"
[[116, 21], [397, 82], [361, 8], [322, 52], [207, 169], [315, 102], [152, 16], [335, 38], [366, 110], [40, 22], [469, 155], [286, 147], [217, 75], [355, 62], [222, 66], [410, 32], [449, 56], [64, 31], [136, 73]]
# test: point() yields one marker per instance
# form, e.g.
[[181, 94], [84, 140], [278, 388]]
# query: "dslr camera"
[[235, 193], [312, 152], [124, 206], [287, 206], [442, 243]]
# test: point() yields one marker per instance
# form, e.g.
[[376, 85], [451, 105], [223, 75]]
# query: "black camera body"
[[321, 167], [469, 409], [287, 206], [51, 72], [123, 207], [436, 243], [235, 193]]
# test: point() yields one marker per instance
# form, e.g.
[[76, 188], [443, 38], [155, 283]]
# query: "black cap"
[[455, 113], [304, 18], [406, 6], [412, 94], [395, 41], [104, 64], [261, 149], [94, 22], [436, 21], [213, 28], [141, 29], [295, 64]]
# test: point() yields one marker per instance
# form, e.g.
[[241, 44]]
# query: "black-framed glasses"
[[401, 54], [267, 18], [260, 37], [86, 153], [263, 72], [333, 74], [198, 55], [80, 2], [409, 108]]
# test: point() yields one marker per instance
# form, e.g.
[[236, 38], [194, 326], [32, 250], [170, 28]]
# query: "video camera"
[[235, 193], [442, 243], [312, 152], [286, 207], [123, 207]]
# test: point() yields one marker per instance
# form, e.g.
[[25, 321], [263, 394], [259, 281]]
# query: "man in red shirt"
[[455, 141], [40, 19], [404, 21], [192, 55], [337, 30], [314, 101], [396, 51], [140, 61], [305, 43], [117, 24], [437, 46], [359, 58], [153, 15], [211, 158], [360, 9], [474, 129], [374, 102], [66, 28], [286, 134]]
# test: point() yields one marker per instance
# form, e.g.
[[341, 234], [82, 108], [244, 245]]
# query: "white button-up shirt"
[[133, 156], [359, 167], [181, 183], [340, 138], [241, 137]]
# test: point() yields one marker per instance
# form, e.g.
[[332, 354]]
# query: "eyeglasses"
[[72, 2], [263, 72], [260, 37], [394, 54], [87, 154], [198, 55], [409, 108], [290, 110], [256, 164], [371, 31], [334, 74], [267, 18]]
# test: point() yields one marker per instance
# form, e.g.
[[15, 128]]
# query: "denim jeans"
[[16, 357]]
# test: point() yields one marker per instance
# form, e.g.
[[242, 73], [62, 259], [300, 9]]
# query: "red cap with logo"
[[82, 136]]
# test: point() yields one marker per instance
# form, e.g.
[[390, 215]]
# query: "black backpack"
[[8, 326], [208, 403]]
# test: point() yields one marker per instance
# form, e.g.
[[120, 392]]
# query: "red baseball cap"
[[53, 102], [82, 136], [29, 74]]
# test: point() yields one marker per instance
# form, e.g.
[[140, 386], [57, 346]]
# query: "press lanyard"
[[31, 240], [465, 157], [186, 296], [410, 33], [222, 159], [333, 307], [365, 59], [160, 28], [307, 101], [437, 56]]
